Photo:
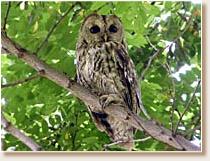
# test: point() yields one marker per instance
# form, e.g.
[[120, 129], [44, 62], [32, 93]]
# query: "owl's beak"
[[105, 38]]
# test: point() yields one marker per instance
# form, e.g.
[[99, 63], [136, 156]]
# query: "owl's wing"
[[129, 80], [99, 118]]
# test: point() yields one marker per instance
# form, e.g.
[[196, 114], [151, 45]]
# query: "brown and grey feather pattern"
[[104, 66]]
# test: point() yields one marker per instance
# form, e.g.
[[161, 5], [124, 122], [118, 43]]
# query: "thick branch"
[[158, 132], [19, 135], [20, 81]]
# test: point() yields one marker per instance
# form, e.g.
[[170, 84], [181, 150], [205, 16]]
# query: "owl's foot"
[[106, 100]]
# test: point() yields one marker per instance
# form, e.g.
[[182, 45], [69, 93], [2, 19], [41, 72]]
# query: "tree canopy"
[[164, 42]]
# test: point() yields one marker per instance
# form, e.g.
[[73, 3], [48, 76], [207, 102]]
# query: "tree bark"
[[19, 135]]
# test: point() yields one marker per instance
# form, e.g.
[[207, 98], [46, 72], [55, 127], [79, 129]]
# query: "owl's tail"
[[122, 133]]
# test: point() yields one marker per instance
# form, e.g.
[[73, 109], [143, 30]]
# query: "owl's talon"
[[106, 100]]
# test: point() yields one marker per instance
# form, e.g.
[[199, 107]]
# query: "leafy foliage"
[[60, 122]]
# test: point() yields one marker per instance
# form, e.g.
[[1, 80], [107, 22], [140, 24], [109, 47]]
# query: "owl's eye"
[[113, 29], [94, 29]]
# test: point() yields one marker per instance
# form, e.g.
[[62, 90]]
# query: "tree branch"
[[173, 95], [53, 28], [6, 16], [106, 146], [120, 112], [20, 81], [19, 135], [189, 22], [196, 125], [150, 43], [151, 58], [187, 106], [143, 139]]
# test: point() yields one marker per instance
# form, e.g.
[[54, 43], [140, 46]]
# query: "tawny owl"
[[104, 66]]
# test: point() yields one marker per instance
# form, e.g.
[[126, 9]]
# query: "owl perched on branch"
[[104, 66]]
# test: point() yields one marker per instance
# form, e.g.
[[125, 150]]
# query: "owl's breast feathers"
[[107, 69]]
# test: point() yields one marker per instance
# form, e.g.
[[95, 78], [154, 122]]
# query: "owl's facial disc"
[[93, 29], [102, 28]]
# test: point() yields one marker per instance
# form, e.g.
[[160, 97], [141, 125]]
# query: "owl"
[[104, 67]]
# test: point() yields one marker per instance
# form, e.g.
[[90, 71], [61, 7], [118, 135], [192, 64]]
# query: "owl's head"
[[101, 28]]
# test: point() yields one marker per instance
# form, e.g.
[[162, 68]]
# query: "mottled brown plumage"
[[104, 66]]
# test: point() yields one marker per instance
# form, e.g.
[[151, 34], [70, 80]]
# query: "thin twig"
[[20, 81], [6, 16], [76, 12], [153, 46], [18, 4], [143, 139], [172, 80], [149, 63], [19, 135], [187, 106], [191, 132], [184, 30], [196, 125], [114, 143], [134, 141], [53, 28], [150, 59], [98, 9], [173, 94]]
